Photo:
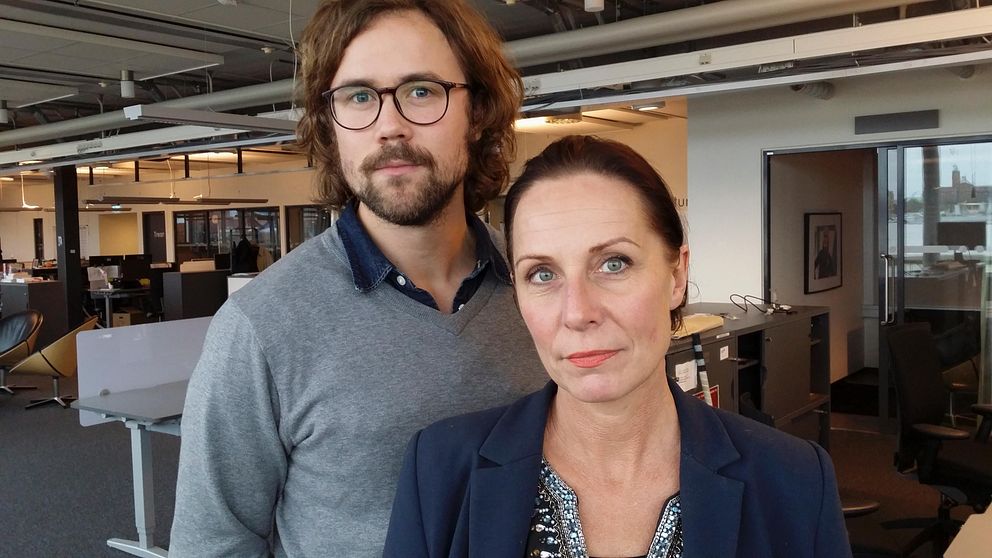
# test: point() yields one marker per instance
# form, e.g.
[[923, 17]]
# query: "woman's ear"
[[680, 278]]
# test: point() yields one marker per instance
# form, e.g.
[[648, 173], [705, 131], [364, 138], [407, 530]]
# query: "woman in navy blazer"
[[610, 459]]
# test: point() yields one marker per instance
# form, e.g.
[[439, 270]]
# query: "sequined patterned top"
[[555, 530]]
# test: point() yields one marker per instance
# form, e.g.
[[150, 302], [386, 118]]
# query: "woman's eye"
[[542, 276], [420, 92], [615, 264]]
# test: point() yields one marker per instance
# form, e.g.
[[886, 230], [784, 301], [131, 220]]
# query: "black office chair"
[[18, 333], [950, 460]]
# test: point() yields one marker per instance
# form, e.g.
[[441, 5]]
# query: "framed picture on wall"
[[824, 257]]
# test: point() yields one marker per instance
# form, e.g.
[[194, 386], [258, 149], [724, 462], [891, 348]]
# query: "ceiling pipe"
[[721, 18], [697, 22]]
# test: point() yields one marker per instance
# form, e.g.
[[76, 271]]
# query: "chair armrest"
[[936, 432], [958, 387], [980, 409]]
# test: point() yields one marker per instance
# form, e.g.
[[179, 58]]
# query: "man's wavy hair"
[[496, 90]]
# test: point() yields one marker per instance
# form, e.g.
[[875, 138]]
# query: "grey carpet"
[[65, 489]]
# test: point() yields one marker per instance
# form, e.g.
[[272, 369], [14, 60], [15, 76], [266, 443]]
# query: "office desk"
[[108, 295], [154, 409]]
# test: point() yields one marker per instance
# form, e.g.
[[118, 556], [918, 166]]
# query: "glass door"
[[934, 220]]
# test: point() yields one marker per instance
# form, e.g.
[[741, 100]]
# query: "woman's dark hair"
[[588, 154]]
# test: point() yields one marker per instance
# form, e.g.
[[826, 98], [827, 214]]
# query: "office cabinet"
[[785, 360], [194, 294], [47, 297], [777, 365], [722, 372]]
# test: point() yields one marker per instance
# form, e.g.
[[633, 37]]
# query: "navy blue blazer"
[[468, 486]]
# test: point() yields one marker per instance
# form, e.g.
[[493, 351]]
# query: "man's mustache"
[[394, 152]]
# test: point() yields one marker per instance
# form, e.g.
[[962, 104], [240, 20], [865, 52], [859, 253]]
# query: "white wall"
[[823, 182], [727, 133]]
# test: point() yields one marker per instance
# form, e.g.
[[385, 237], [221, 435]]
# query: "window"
[[304, 222], [204, 234]]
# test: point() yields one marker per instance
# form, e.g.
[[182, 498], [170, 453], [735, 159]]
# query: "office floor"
[[65, 489]]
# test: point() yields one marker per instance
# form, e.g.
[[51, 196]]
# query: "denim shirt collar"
[[369, 266]]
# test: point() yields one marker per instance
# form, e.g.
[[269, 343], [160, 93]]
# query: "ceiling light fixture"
[[200, 198], [127, 84], [115, 200], [24, 204], [207, 118], [595, 5]]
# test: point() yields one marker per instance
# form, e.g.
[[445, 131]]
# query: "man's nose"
[[391, 124]]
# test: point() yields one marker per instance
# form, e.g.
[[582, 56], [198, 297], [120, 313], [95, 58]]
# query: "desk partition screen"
[[135, 357]]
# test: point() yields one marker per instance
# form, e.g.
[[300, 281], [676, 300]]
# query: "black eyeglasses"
[[421, 101]]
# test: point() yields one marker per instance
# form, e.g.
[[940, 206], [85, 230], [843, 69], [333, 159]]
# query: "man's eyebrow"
[[362, 82]]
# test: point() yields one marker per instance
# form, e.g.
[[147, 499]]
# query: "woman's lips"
[[591, 359]]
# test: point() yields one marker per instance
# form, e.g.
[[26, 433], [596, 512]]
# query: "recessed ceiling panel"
[[27, 41], [60, 63], [242, 16], [20, 93]]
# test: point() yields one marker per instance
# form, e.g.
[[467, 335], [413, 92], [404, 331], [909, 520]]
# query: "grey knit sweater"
[[306, 394]]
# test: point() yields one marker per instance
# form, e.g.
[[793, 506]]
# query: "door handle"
[[886, 314]]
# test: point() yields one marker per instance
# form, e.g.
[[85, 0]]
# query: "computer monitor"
[[222, 261], [136, 266], [101, 261], [961, 233]]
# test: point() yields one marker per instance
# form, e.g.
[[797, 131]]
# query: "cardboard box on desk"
[[128, 316]]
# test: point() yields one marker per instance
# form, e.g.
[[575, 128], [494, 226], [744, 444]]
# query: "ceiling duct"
[[818, 89], [721, 18], [697, 22]]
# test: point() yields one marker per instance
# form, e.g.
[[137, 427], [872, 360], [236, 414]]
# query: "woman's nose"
[[580, 306]]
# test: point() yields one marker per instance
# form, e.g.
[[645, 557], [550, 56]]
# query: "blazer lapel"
[[711, 502], [504, 483], [501, 504]]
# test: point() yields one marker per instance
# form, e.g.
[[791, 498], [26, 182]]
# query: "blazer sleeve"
[[405, 537], [831, 533]]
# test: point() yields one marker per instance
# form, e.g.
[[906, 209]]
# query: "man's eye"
[[542, 276], [420, 93], [361, 97], [615, 264]]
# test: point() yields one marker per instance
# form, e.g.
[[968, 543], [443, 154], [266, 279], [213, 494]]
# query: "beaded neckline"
[[666, 543]]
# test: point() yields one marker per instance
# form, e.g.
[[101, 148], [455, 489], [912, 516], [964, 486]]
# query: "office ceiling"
[[62, 59]]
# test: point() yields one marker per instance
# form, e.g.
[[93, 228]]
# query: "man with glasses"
[[314, 375]]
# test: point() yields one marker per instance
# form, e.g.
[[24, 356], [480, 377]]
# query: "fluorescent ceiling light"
[[6, 179], [226, 201], [155, 113], [115, 200], [95, 209], [940, 27], [115, 143]]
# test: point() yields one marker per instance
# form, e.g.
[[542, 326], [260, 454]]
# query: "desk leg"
[[144, 497], [107, 317]]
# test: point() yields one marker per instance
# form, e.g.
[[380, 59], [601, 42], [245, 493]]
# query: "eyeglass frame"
[[380, 91]]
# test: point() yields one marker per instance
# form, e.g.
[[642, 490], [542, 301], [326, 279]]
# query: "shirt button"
[[400, 280], [460, 306]]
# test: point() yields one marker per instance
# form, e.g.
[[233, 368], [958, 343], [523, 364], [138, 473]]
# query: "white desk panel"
[[135, 357]]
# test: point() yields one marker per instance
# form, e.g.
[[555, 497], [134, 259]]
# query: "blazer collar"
[[711, 501], [505, 484]]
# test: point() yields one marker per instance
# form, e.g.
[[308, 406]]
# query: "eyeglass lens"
[[420, 102]]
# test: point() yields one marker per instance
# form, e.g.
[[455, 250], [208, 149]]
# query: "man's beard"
[[424, 203]]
